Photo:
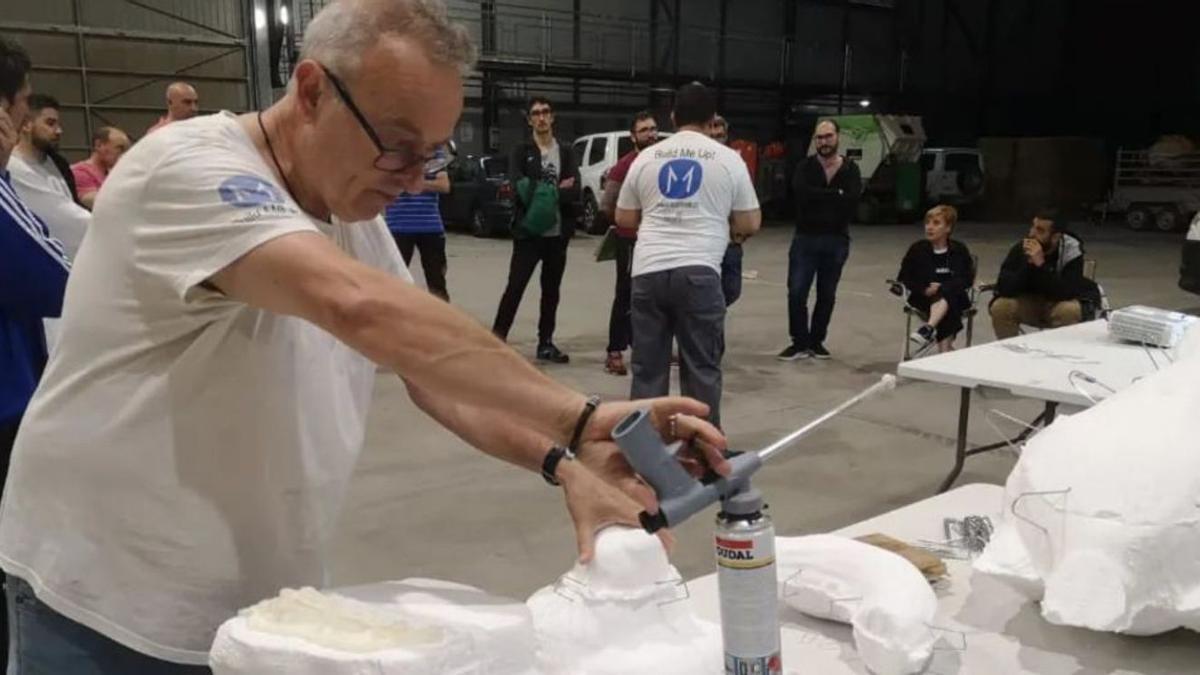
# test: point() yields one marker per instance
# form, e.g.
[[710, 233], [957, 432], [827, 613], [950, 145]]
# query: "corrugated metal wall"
[[109, 61]]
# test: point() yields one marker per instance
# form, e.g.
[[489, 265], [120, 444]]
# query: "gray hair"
[[339, 34]]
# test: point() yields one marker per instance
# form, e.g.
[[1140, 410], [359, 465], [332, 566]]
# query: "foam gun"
[[680, 496]]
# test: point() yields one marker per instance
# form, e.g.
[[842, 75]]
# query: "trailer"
[[1155, 190]]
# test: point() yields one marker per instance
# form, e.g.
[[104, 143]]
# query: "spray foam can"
[[748, 586]]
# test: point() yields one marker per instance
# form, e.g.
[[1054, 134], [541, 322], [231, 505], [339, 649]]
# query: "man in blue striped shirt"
[[416, 223], [33, 275]]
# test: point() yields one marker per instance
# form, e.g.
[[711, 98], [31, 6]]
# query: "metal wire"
[[1080, 375]]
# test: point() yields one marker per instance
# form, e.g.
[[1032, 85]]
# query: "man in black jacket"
[[541, 158], [1041, 280], [828, 186]]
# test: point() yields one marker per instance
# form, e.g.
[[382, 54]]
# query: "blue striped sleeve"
[[33, 266]]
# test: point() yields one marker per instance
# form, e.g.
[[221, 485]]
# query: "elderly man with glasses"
[[195, 432]]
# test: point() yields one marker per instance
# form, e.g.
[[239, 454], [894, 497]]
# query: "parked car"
[[595, 154], [481, 197], [1189, 271], [952, 175]]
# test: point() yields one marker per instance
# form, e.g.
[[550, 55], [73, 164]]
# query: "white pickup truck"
[[595, 154]]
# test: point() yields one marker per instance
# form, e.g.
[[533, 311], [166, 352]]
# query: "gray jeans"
[[685, 305]]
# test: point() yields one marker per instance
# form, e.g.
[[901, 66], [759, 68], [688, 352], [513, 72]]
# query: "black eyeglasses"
[[394, 159]]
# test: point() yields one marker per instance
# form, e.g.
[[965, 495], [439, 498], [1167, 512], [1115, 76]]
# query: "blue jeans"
[[820, 257], [731, 274], [44, 642]]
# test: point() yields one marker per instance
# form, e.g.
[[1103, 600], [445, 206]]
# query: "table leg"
[[960, 451], [1049, 413]]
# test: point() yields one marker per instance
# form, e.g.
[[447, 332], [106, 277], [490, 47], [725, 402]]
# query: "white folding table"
[[1037, 366], [985, 627]]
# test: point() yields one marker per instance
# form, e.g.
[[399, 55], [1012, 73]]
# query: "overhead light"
[[865, 103], [260, 19], [283, 15]]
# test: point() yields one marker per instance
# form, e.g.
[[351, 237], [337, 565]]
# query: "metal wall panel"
[[109, 61]]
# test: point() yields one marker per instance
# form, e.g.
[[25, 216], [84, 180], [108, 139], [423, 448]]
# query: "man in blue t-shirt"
[[416, 223]]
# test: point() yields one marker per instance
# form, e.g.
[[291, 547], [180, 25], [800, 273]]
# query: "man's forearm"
[[487, 430], [439, 348], [608, 203]]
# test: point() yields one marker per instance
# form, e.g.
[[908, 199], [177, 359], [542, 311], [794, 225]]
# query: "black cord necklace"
[[271, 149]]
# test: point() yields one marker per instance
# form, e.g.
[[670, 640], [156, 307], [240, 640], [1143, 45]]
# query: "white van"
[[595, 154]]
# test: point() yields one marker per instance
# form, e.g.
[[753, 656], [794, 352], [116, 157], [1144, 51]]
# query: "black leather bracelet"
[[550, 464], [593, 402]]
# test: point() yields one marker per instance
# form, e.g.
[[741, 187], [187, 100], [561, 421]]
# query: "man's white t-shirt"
[[185, 455], [44, 190], [686, 187]]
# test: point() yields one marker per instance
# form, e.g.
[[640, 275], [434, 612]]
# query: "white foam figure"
[[625, 612], [1102, 512], [886, 600], [397, 628]]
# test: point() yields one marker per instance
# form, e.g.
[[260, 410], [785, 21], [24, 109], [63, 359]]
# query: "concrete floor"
[[424, 504]]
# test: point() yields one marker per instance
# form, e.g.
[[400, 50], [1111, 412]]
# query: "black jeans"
[[433, 258], [551, 252], [685, 305], [820, 257], [619, 329], [8, 436]]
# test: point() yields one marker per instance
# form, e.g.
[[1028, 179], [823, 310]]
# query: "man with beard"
[[644, 134], [43, 179], [827, 189], [541, 158]]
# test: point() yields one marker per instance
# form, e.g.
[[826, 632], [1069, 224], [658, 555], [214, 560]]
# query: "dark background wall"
[[1122, 71]]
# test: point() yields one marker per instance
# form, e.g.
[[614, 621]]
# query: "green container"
[[908, 187]]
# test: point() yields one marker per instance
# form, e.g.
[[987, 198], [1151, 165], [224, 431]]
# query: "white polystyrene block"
[[1102, 523]]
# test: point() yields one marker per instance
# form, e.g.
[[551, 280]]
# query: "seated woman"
[[938, 273]]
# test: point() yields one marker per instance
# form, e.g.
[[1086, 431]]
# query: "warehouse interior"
[[1090, 109]]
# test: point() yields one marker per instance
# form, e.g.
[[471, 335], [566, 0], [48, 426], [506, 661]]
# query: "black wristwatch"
[[550, 465]]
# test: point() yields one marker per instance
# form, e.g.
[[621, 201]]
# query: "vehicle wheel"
[[970, 182], [1168, 220], [592, 222], [868, 210], [479, 224], [1139, 218]]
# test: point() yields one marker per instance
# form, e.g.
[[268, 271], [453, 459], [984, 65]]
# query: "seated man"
[[1041, 281], [937, 271]]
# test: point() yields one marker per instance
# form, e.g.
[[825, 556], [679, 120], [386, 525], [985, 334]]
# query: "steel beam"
[[126, 35], [181, 19], [845, 82]]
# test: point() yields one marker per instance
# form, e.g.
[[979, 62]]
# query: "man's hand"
[[932, 289], [604, 460], [566, 183], [9, 136], [594, 504], [704, 439], [1034, 252]]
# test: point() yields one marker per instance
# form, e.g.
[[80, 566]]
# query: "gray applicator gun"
[[680, 496]]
